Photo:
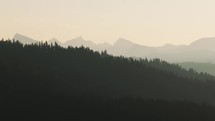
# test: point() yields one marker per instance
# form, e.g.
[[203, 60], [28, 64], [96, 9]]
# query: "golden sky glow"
[[148, 22]]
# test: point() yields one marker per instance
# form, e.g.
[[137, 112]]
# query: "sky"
[[146, 22]]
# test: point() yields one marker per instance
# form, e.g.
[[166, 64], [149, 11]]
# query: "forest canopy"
[[49, 79]]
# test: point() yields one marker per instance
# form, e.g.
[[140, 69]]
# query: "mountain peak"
[[204, 43], [123, 42], [24, 39], [80, 38], [53, 40], [17, 35], [79, 41], [208, 40]]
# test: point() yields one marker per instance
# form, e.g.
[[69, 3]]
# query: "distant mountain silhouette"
[[103, 46], [53, 40], [202, 50], [204, 43], [78, 42], [168, 47], [199, 67], [24, 39], [123, 43], [121, 47]]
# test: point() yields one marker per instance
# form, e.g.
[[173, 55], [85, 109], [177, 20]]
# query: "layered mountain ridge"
[[202, 50]]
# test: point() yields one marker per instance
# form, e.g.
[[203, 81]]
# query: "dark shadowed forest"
[[48, 82]]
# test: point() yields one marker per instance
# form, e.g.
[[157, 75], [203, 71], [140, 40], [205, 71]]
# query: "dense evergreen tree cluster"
[[199, 67], [73, 83], [177, 70]]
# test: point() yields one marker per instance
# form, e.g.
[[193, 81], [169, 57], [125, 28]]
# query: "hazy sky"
[[148, 22]]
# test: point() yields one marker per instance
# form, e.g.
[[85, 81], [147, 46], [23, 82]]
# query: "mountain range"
[[202, 50]]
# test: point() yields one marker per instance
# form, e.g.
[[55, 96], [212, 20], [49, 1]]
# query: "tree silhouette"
[[81, 84]]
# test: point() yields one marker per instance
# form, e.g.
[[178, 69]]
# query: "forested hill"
[[45, 78]]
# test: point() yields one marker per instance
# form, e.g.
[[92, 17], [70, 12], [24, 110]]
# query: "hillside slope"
[[48, 78]]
